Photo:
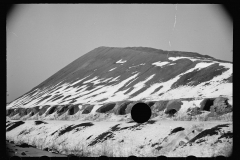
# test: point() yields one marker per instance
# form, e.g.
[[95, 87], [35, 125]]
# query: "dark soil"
[[46, 97], [40, 122], [226, 135], [157, 89], [24, 145], [71, 127], [89, 137], [102, 137], [208, 132], [57, 98], [66, 97], [176, 130], [151, 122]]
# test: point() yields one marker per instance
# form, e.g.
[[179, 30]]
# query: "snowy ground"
[[122, 139]]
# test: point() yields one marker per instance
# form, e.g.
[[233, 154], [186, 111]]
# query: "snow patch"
[[189, 104], [172, 64], [112, 69], [159, 64], [121, 61], [226, 65], [79, 80], [90, 80], [107, 79], [176, 58], [114, 79], [137, 65]]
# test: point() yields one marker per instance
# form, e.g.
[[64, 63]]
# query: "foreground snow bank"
[[122, 139]]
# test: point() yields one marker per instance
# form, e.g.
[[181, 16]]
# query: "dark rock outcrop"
[[121, 110], [194, 111], [28, 110], [221, 106], [150, 103], [43, 109], [173, 106], [51, 110], [22, 112], [40, 122], [9, 112], [35, 110], [106, 108], [88, 109], [62, 109], [14, 125], [206, 104], [73, 109], [14, 112]]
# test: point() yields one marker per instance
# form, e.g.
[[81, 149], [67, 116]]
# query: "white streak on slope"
[[121, 61], [176, 58], [79, 80], [159, 64], [90, 80], [112, 69], [114, 79]]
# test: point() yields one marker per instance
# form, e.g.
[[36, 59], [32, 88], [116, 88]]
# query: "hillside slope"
[[115, 74]]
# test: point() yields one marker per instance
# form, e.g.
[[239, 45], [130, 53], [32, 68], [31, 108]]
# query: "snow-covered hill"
[[100, 88], [107, 75]]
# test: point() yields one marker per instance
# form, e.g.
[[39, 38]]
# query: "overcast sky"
[[44, 38]]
